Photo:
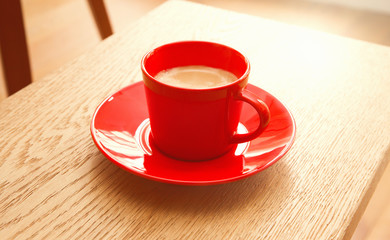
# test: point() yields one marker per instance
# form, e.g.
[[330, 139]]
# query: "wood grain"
[[56, 184]]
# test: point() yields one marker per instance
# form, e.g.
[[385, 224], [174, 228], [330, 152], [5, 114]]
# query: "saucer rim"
[[289, 145]]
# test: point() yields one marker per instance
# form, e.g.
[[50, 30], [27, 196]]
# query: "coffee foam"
[[195, 77]]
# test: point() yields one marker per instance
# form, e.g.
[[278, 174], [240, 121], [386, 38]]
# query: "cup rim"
[[242, 78]]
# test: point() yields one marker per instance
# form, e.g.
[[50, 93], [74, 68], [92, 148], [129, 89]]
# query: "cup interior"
[[195, 53]]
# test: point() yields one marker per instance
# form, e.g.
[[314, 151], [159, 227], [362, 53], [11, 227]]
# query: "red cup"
[[198, 124]]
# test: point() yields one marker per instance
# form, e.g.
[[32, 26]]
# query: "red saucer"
[[120, 129]]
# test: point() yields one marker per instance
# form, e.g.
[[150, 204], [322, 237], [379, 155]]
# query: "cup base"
[[144, 139], [189, 158]]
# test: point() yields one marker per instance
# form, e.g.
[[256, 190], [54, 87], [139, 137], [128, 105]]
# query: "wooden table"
[[55, 184]]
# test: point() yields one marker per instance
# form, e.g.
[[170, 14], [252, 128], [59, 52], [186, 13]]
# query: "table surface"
[[56, 184]]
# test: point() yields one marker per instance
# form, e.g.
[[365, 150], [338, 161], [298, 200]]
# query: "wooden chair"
[[13, 45]]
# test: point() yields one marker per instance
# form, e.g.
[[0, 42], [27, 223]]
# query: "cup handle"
[[261, 109]]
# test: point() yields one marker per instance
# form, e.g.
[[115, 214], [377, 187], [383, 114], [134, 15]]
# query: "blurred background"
[[59, 31]]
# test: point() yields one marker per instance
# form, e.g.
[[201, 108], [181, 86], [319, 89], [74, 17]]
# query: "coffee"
[[195, 77]]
